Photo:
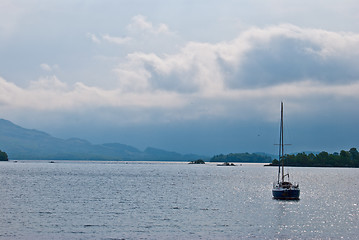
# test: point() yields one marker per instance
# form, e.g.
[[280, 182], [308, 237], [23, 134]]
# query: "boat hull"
[[286, 194]]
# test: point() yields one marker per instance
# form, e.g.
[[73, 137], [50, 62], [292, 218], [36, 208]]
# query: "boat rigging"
[[282, 189]]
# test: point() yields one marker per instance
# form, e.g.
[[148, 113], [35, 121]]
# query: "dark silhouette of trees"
[[198, 161], [323, 159], [3, 156]]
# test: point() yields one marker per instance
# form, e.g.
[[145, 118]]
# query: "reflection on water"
[[114, 200]]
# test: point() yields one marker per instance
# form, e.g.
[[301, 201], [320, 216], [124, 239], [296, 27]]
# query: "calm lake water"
[[141, 200]]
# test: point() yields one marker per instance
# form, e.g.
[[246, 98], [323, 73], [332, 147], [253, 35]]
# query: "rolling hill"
[[29, 144]]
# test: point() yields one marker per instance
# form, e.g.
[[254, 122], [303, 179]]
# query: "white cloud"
[[207, 68], [50, 94], [51, 83], [93, 38], [116, 40], [140, 23], [45, 67], [141, 35], [204, 79]]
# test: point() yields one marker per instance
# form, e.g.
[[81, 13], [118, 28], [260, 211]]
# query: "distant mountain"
[[29, 144]]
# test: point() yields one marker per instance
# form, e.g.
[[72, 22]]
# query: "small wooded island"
[[199, 161], [323, 159], [3, 156]]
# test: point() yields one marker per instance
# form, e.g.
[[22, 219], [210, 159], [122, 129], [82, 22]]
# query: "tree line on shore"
[[323, 159]]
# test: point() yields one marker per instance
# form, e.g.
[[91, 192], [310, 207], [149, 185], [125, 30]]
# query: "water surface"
[[141, 200]]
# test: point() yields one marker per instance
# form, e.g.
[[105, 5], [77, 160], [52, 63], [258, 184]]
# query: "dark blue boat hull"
[[286, 194]]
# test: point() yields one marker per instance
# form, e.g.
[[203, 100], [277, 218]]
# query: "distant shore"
[[347, 159]]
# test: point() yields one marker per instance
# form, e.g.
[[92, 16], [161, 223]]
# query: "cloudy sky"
[[199, 76]]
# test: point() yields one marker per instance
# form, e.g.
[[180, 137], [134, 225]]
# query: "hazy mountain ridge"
[[21, 143]]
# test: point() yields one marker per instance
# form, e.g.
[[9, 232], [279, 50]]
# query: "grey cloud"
[[286, 60], [257, 58]]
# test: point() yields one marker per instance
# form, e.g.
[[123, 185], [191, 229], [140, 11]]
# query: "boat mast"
[[282, 140], [280, 143]]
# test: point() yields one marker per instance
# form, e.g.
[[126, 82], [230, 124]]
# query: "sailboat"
[[283, 189]]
